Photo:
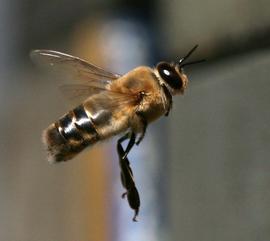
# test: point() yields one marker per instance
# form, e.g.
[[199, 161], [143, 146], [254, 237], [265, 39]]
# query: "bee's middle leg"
[[144, 126]]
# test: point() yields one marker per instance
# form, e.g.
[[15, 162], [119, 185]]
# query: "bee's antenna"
[[188, 54], [193, 62], [182, 60]]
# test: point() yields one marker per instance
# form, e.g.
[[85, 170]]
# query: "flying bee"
[[114, 104]]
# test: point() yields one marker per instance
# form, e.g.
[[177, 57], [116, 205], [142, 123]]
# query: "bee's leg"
[[168, 97], [124, 195], [132, 139], [123, 138], [128, 182], [134, 201], [126, 172], [144, 126], [131, 193], [133, 198], [130, 144]]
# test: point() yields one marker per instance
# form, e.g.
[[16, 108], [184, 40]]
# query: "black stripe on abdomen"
[[77, 127], [83, 122], [68, 129], [70, 135]]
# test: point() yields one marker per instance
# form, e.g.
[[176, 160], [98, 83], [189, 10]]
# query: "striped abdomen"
[[70, 135]]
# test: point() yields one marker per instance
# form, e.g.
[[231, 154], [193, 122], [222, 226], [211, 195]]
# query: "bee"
[[114, 104]]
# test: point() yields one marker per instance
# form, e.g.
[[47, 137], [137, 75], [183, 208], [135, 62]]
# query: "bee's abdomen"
[[70, 135]]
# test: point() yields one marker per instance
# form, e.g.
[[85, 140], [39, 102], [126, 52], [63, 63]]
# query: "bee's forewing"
[[71, 63], [76, 77]]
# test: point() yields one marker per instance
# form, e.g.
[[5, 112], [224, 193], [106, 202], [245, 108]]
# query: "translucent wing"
[[91, 79], [92, 82], [114, 102], [79, 92]]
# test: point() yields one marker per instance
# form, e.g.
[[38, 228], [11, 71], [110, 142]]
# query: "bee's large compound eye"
[[168, 73]]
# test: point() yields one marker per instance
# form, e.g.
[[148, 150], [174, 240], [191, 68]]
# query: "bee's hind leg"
[[127, 180], [132, 139]]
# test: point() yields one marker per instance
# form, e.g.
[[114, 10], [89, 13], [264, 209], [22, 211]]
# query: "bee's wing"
[[79, 92], [91, 79]]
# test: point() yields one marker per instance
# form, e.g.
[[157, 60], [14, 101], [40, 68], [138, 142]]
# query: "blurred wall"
[[220, 149], [222, 27]]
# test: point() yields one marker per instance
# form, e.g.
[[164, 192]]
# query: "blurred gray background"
[[203, 173]]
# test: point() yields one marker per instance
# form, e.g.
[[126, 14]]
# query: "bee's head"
[[172, 74]]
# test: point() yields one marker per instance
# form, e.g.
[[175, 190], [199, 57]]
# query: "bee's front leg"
[[168, 97]]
